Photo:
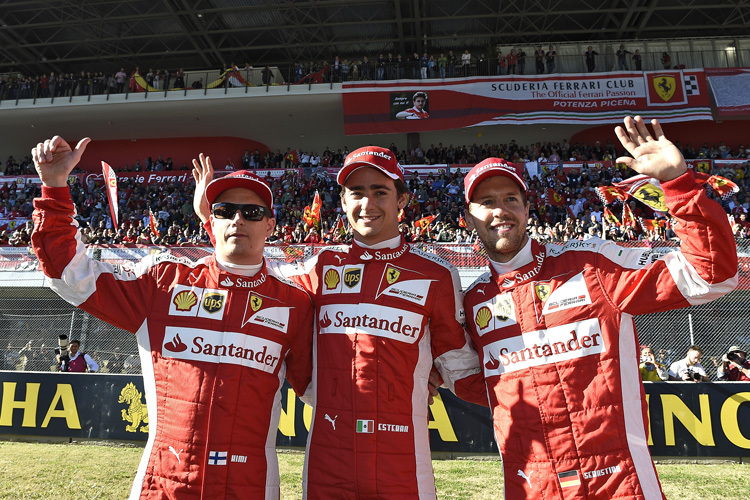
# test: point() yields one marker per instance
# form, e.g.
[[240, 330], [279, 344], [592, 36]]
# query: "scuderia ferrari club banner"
[[588, 98]]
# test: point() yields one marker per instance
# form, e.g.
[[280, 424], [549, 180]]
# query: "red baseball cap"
[[489, 168], [240, 179], [371, 156]]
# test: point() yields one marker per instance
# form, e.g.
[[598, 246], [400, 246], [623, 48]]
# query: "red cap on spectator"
[[240, 179], [489, 168], [371, 156]]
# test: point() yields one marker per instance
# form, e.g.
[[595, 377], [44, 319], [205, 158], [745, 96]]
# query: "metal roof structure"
[[103, 35]]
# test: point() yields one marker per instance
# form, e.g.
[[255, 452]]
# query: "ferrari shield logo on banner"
[[664, 85]]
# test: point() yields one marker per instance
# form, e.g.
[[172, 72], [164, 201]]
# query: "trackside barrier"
[[687, 420]]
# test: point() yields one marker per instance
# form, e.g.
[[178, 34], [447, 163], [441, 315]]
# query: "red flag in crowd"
[[461, 221], [152, 224], [721, 185], [424, 223], [555, 199], [110, 180], [651, 224], [312, 213], [609, 194], [337, 228], [628, 219], [611, 218], [646, 190]]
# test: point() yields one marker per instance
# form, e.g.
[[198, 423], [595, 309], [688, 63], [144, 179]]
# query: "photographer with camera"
[[651, 371], [734, 365], [70, 359], [689, 369]]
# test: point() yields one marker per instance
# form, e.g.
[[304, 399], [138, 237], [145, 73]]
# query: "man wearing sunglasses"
[[216, 337], [385, 312]]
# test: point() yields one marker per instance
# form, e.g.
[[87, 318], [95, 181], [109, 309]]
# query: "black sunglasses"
[[249, 212]]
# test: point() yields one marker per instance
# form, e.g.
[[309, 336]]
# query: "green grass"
[[30, 471]]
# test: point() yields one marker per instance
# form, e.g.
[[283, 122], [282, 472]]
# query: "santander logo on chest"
[[241, 282], [556, 344], [381, 254]]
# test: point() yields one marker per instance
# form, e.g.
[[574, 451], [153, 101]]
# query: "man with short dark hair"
[[216, 337], [554, 327], [417, 112], [79, 361], [386, 312], [689, 368]]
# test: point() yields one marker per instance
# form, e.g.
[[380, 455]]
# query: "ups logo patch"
[[352, 277], [213, 302]]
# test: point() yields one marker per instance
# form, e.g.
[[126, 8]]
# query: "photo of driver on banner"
[[418, 111]]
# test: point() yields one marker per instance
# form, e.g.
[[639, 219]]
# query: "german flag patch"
[[569, 478]]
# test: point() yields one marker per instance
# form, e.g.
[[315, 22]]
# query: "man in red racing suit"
[[385, 312], [216, 337], [555, 333]]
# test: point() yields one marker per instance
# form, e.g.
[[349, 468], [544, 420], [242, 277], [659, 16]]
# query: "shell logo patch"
[[331, 279], [483, 317], [185, 300]]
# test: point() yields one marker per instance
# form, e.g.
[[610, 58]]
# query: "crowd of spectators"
[[40, 356], [579, 216], [384, 66], [730, 366]]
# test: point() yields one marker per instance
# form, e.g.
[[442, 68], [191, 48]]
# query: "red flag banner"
[[611, 218], [152, 224], [721, 185], [424, 223], [554, 199], [111, 188], [311, 214], [651, 224], [628, 219], [575, 98], [645, 189], [461, 221], [610, 194]]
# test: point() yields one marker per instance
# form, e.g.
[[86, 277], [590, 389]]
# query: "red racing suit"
[[560, 352], [382, 318], [214, 347]]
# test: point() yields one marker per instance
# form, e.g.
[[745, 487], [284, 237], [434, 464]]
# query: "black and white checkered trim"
[[691, 85]]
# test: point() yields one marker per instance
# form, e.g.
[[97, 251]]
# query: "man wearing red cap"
[[554, 326], [385, 313], [216, 337]]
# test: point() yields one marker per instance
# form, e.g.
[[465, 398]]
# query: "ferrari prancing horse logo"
[[665, 86], [542, 291]]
